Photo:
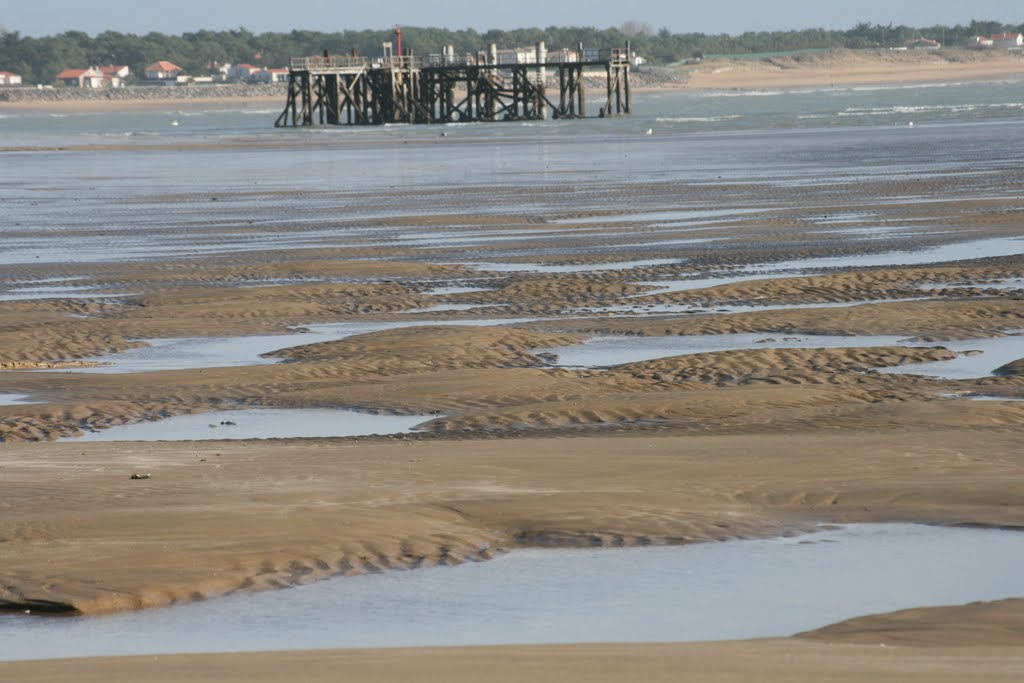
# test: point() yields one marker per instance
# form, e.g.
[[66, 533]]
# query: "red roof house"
[[1008, 40], [116, 71], [163, 71], [83, 78], [243, 72]]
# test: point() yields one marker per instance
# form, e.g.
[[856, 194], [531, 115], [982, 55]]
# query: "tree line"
[[39, 59]]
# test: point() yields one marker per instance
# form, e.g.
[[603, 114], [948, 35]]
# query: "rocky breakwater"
[[145, 93]]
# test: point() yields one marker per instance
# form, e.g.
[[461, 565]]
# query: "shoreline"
[[803, 658], [837, 69], [143, 104], [429, 515], [849, 69], [553, 542]]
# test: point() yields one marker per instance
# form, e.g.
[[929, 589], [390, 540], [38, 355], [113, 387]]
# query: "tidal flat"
[[444, 280]]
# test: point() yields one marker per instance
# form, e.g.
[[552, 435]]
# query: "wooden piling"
[[350, 90]]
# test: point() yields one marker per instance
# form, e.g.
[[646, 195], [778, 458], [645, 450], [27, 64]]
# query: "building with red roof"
[[923, 44], [83, 78], [271, 75], [116, 71], [163, 71], [243, 72], [1008, 40]]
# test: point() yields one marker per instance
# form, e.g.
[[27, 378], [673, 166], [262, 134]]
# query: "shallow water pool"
[[978, 357], [959, 251], [599, 352], [946, 253], [970, 364], [210, 352], [568, 268], [259, 423], [1007, 283], [14, 399], [707, 591]]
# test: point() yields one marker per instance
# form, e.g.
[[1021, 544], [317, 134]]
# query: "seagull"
[[650, 131], [174, 123]]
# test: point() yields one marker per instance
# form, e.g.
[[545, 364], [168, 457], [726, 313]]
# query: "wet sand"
[[722, 445], [772, 660], [216, 517]]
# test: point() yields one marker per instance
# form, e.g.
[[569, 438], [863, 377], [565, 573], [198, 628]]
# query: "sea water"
[[130, 192]]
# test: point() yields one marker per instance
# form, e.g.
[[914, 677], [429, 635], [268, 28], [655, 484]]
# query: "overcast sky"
[[47, 17]]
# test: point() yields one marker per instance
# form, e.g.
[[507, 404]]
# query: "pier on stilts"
[[487, 86]]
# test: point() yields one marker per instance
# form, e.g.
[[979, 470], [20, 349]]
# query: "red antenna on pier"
[[398, 40]]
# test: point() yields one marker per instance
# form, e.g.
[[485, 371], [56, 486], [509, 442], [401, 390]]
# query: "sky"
[[48, 17]]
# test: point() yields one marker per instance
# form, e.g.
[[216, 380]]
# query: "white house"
[[218, 72], [519, 55], [1008, 40], [923, 44], [83, 78], [563, 55], [116, 73], [980, 43], [163, 71], [243, 72], [7, 78], [271, 75]]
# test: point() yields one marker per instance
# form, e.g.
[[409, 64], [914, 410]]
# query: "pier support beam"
[[351, 91]]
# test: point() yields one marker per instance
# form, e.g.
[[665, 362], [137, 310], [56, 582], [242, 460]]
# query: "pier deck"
[[349, 90]]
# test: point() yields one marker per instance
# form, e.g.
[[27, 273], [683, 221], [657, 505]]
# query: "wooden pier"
[[351, 90]]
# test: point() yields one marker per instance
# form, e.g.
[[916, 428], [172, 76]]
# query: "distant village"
[[168, 73], [1004, 41], [157, 73]]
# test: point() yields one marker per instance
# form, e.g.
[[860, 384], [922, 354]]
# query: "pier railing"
[[563, 56], [345, 62], [326, 63]]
